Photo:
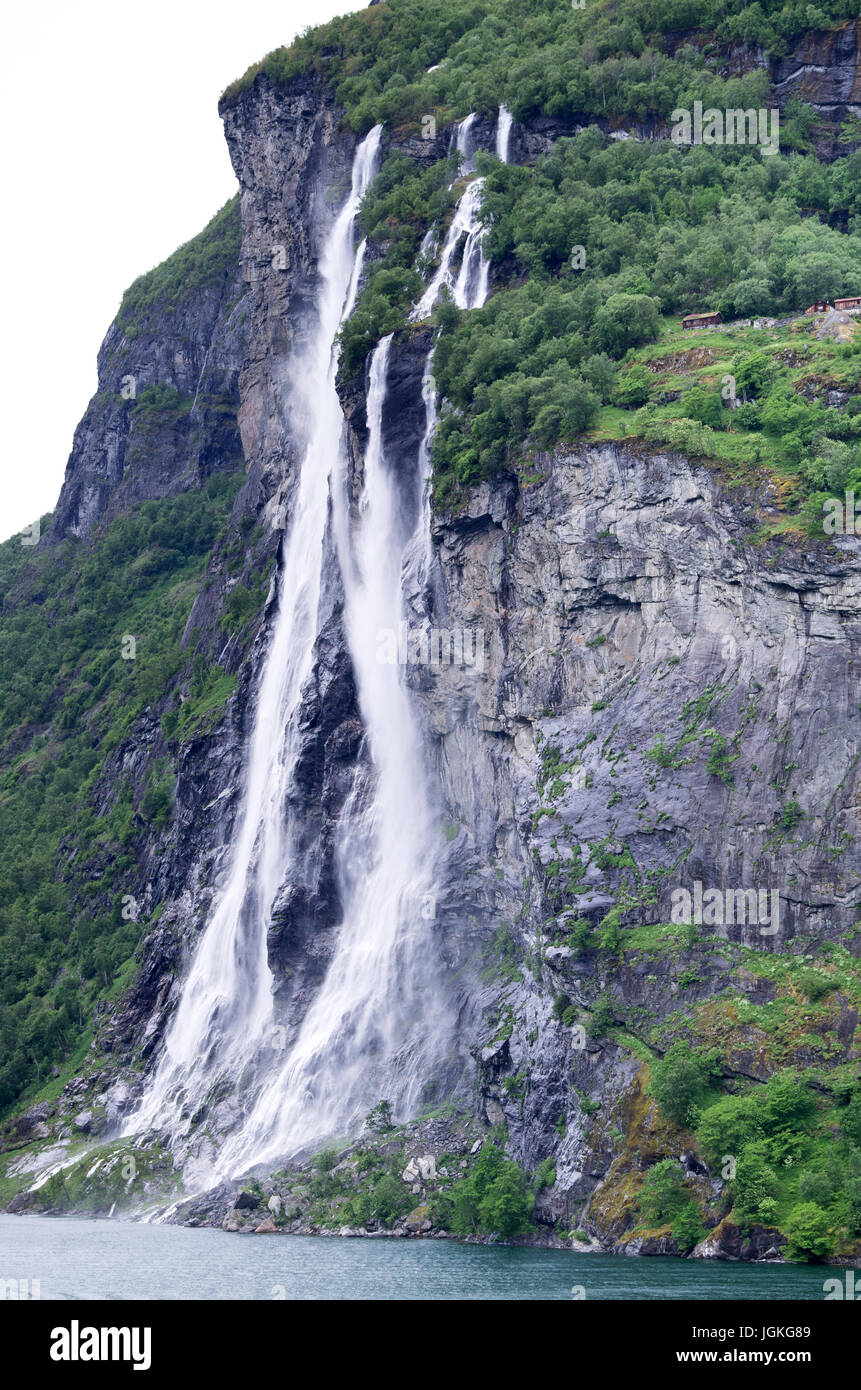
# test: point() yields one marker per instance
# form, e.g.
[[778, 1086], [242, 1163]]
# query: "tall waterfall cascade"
[[379, 1019], [225, 1010]]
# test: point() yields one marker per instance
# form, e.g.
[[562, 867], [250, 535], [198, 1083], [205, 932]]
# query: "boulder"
[[418, 1221], [247, 1201]]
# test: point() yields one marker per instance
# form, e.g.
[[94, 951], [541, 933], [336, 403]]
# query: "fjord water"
[[74, 1258]]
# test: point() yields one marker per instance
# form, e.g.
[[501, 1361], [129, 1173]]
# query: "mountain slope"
[[670, 692]]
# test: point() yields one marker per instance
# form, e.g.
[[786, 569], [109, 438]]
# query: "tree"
[[626, 321], [600, 372], [850, 1120], [634, 386], [680, 1083], [705, 406], [754, 1186], [664, 1197], [380, 1118], [809, 1234], [493, 1198], [663, 1194], [728, 1125], [391, 1199]]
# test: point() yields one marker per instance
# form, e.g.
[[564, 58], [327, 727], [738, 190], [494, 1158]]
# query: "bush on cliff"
[[681, 1083], [494, 1199]]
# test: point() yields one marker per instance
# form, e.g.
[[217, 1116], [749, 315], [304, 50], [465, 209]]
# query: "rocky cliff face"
[[164, 416], [823, 69], [629, 624]]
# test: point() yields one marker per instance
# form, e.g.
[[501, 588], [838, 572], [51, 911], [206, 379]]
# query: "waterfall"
[[378, 1020], [469, 292], [224, 1016], [503, 133], [469, 288]]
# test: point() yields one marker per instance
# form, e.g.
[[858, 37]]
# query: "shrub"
[[493, 1198], [790, 815], [809, 1234], [391, 1199], [719, 760], [545, 1174], [603, 1016], [681, 1081]]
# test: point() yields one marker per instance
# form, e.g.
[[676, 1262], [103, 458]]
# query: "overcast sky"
[[114, 156]]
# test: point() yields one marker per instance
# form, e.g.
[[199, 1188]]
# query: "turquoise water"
[[76, 1258]]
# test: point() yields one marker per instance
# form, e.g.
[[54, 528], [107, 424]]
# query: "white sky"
[[114, 155]]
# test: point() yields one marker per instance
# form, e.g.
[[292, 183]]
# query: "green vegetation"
[[664, 1198], [663, 229], [89, 638], [538, 56], [682, 1081], [493, 1198], [243, 603], [810, 1235], [667, 229], [790, 1158], [402, 201], [482, 1194], [379, 1120], [205, 260], [118, 1174], [211, 688]]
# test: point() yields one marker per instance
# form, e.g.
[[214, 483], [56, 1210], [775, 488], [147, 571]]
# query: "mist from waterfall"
[[225, 1010]]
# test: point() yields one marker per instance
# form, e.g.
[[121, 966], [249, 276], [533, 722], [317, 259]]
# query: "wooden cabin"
[[702, 320], [850, 305], [821, 306]]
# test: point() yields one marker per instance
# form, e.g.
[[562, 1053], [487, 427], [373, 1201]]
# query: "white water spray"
[[225, 1012], [503, 133], [470, 292], [377, 1021]]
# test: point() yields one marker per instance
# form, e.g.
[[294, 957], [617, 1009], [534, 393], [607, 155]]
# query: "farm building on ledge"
[[710, 320]]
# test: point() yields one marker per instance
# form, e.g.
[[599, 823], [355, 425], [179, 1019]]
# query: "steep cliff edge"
[[164, 416]]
